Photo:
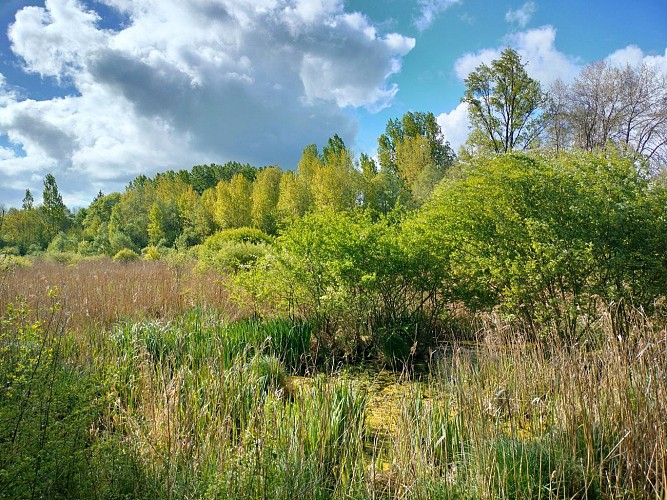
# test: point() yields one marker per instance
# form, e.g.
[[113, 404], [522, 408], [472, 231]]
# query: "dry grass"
[[98, 292], [502, 418]]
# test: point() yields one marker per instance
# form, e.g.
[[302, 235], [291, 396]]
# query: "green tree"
[[411, 125], [164, 222], [550, 239], [335, 181], [197, 220], [413, 149], [55, 212], [28, 200], [504, 104], [265, 195], [234, 203], [25, 230], [295, 198]]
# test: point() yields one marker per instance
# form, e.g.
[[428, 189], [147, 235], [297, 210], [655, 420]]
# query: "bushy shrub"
[[152, 253], [125, 255], [233, 249], [354, 276], [62, 243], [118, 241], [549, 238]]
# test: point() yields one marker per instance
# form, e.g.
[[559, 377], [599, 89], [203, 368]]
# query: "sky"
[[97, 92]]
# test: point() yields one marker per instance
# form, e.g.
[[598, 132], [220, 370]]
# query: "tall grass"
[[98, 292], [190, 403]]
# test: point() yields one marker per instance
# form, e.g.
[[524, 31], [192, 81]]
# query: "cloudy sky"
[[99, 91]]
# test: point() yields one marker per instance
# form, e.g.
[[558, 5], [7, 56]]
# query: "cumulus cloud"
[[455, 125], [429, 10], [537, 48], [182, 82], [522, 15], [634, 56]]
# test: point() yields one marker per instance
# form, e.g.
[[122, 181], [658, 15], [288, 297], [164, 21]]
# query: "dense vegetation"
[[209, 332]]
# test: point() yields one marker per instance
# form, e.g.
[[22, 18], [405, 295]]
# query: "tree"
[[234, 203], [265, 194], [625, 106], [54, 210], [25, 230], [334, 182], [164, 222], [411, 125], [412, 148], [28, 200], [504, 103], [550, 239], [295, 198]]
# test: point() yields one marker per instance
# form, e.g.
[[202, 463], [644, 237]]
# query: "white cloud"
[[467, 63], [544, 61], [429, 10], [189, 81], [522, 15], [455, 125], [634, 56], [537, 48]]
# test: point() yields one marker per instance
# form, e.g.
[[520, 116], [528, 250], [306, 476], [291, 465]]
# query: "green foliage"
[[503, 104], [265, 195], [233, 249], [63, 243], [234, 203], [353, 275], [549, 238], [25, 230], [152, 253], [56, 215], [47, 409], [119, 241], [238, 235], [126, 255]]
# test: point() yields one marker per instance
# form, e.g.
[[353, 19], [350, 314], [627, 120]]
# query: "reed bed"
[[98, 292], [193, 403]]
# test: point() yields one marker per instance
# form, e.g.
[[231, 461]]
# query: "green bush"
[[233, 249], [549, 238], [48, 407], [62, 243], [125, 255], [354, 277]]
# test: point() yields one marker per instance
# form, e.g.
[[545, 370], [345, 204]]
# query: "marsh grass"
[[191, 403], [97, 292]]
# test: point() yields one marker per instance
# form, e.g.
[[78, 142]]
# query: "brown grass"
[[98, 292]]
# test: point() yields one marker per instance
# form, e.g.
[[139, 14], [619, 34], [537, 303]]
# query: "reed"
[[195, 403]]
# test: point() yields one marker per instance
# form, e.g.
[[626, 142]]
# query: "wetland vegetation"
[[487, 326]]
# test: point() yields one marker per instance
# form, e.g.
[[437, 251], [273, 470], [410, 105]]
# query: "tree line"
[[625, 108]]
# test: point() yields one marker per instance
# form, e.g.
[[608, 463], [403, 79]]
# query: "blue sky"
[[99, 91]]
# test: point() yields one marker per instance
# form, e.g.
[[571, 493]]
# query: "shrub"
[[152, 253], [125, 255], [353, 276], [233, 249], [548, 239]]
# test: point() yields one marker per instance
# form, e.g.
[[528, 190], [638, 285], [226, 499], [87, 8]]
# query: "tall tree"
[[626, 106], [411, 125], [28, 200], [335, 181], [504, 104], [413, 149], [265, 193], [54, 210], [234, 203]]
